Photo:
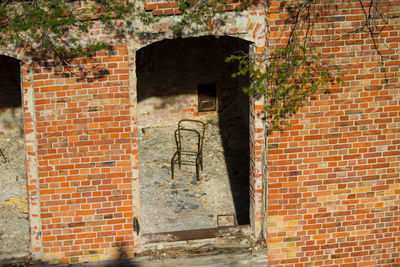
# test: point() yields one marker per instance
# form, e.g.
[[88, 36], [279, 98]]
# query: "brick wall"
[[333, 177], [164, 7], [84, 151], [82, 155]]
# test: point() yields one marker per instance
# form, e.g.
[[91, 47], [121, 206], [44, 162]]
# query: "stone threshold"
[[217, 240]]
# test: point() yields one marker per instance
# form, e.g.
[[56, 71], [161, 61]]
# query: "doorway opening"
[[207, 97], [189, 79], [13, 193]]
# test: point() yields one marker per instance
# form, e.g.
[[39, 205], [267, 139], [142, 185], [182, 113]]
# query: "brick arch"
[[12, 53], [29, 129], [255, 135], [97, 103], [249, 27], [29, 125], [242, 26], [208, 45], [161, 37]]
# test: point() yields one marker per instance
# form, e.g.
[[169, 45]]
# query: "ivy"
[[56, 25], [285, 79], [201, 13], [292, 74]]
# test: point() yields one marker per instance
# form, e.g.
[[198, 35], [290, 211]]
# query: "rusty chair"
[[189, 139]]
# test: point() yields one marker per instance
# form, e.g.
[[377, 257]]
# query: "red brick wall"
[[333, 177], [84, 152], [162, 7], [82, 160], [165, 7]]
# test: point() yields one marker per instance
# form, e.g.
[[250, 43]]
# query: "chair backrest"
[[190, 135]]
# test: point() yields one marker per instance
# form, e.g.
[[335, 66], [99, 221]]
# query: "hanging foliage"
[[289, 76], [57, 25]]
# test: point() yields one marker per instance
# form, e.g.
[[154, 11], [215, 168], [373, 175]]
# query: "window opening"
[[207, 96]]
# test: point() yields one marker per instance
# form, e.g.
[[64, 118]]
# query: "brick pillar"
[[257, 28], [32, 180], [256, 169], [84, 140]]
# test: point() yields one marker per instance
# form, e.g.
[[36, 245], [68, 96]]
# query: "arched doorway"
[[14, 230], [189, 78]]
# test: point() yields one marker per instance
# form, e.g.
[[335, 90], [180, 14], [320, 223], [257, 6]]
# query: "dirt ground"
[[14, 227], [185, 203]]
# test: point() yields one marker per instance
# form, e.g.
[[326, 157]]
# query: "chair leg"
[[179, 160], [197, 172], [172, 168]]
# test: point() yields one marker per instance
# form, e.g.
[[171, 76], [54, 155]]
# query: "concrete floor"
[[219, 199]]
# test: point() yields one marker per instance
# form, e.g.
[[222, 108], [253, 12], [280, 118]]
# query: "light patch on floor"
[[184, 203]]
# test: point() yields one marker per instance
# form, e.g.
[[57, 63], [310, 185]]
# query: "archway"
[[188, 78], [14, 231]]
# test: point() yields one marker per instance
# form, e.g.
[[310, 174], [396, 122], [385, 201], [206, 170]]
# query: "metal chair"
[[184, 138]]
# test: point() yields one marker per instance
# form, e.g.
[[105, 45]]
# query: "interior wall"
[[11, 113], [170, 71]]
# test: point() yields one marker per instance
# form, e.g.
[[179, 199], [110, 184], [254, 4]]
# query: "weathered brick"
[[330, 168]]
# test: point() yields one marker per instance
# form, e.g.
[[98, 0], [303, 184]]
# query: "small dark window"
[[207, 95]]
